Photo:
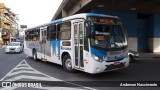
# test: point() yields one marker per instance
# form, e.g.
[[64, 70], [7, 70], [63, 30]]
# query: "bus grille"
[[112, 66]]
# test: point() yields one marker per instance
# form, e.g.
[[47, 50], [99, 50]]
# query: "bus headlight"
[[97, 58]]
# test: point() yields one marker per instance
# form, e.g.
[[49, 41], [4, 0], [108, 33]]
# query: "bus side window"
[[58, 31], [38, 34], [48, 34], [65, 31], [35, 34], [52, 32], [28, 35]]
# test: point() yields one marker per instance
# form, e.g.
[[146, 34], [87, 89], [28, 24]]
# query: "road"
[[18, 67]]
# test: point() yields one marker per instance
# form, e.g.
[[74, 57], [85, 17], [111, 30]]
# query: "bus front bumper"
[[110, 66]]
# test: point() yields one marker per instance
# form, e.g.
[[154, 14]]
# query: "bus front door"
[[78, 42], [43, 40]]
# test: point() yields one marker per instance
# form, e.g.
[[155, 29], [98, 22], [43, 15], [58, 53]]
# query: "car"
[[21, 41], [133, 56], [14, 47]]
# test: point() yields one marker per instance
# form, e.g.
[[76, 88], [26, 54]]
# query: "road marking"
[[19, 66], [24, 67], [32, 77], [22, 71]]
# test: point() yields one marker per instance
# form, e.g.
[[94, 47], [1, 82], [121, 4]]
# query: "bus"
[[88, 42]]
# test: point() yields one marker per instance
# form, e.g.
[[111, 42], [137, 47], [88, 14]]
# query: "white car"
[[14, 47]]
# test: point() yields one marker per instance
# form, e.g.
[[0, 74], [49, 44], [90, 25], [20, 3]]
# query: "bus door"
[[43, 40], [78, 43]]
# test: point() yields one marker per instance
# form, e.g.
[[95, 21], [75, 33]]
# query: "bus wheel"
[[67, 64], [34, 55]]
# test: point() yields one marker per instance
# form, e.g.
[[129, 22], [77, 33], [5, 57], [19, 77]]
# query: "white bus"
[[92, 43]]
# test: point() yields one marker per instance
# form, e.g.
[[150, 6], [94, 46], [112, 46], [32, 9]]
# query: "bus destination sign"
[[103, 20]]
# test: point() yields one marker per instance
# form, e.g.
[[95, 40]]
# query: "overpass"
[[141, 18]]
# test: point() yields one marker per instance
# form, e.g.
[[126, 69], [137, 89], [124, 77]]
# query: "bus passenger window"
[[58, 31], [48, 34], [65, 31], [35, 34], [52, 32], [28, 36]]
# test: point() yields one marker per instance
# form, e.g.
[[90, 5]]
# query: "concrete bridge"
[[141, 18]]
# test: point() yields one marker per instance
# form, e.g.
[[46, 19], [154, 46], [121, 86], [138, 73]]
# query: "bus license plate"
[[117, 63]]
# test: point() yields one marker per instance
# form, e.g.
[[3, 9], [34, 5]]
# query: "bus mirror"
[[88, 34]]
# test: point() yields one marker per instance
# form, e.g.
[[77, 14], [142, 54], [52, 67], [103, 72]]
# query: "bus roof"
[[82, 15]]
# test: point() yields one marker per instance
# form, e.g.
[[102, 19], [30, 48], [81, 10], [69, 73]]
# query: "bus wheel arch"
[[34, 54], [67, 62]]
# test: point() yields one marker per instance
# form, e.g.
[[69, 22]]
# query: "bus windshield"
[[107, 36]]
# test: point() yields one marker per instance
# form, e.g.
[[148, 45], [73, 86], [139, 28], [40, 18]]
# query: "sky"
[[33, 12]]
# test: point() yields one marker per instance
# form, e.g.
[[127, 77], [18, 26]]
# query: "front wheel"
[[67, 64]]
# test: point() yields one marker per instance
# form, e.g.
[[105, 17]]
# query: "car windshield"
[[106, 36], [14, 44]]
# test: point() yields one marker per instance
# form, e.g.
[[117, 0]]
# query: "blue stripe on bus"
[[98, 53], [91, 15], [56, 21], [53, 45]]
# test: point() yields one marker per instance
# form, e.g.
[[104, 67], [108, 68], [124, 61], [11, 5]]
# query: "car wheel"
[[34, 55], [67, 64]]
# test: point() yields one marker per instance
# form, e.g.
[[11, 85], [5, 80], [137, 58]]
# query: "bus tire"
[[67, 64], [35, 55]]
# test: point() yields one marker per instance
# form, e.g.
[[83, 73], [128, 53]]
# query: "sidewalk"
[[149, 55]]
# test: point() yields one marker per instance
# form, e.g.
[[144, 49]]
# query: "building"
[[141, 18], [8, 24], [21, 32]]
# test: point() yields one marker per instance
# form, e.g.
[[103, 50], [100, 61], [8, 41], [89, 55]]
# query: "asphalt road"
[[9, 61], [19, 67]]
